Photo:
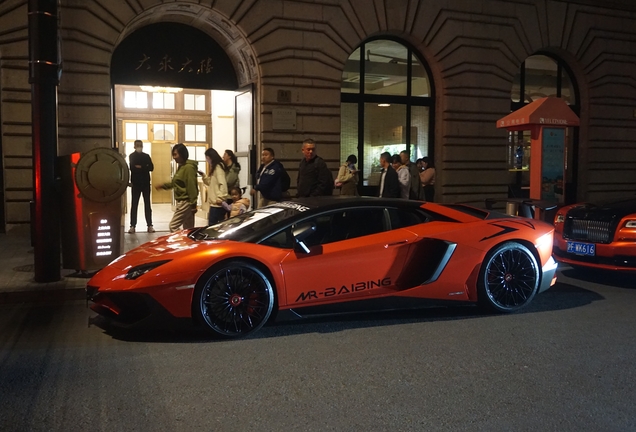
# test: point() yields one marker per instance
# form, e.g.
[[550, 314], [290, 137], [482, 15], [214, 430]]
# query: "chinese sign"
[[177, 55], [167, 63]]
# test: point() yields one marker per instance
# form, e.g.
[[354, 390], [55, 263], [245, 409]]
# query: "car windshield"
[[247, 225]]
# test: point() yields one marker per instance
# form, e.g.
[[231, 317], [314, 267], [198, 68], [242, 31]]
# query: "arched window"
[[387, 105], [543, 75]]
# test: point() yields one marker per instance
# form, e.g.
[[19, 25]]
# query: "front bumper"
[[617, 256], [549, 274], [127, 309]]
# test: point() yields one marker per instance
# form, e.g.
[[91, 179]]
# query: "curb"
[[43, 296]]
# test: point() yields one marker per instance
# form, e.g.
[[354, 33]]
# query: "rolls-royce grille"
[[588, 230]]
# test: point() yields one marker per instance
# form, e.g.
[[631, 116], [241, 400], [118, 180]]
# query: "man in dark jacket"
[[389, 182], [268, 178], [314, 178], [140, 168]]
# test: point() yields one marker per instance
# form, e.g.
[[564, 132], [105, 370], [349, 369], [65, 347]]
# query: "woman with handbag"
[[347, 179]]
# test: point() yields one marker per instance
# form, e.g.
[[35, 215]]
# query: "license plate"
[[587, 249]]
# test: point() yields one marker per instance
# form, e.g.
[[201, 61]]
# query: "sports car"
[[597, 235], [293, 256]]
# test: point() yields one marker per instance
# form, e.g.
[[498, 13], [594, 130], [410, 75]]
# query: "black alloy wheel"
[[509, 278], [234, 300]]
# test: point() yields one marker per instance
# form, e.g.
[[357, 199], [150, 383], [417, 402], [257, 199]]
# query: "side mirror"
[[301, 232]]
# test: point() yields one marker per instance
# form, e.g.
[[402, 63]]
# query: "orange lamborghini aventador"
[[299, 255]]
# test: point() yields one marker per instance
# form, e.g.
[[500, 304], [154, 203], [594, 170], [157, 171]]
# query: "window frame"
[[361, 98]]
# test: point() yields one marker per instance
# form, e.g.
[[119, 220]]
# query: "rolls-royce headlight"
[[630, 224], [560, 218]]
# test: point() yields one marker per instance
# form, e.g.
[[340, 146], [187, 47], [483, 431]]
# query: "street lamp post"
[[44, 68]]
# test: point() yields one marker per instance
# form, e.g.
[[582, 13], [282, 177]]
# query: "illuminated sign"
[[102, 237]]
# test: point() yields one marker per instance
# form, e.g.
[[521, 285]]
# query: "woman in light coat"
[[347, 179], [217, 186]]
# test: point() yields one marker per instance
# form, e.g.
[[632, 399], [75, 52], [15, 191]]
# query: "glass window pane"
[[130, 99], [142, 131], [200, 156], [159, 132], [168, 101], [351, 74], [130, 131], [419, 132], [188, 101], [420, 85], [567, 88], [203, 166], [348, 130], [541, 77], [384, 130], [157, 100], [515, 94], [169, 132], [190, 134], [142, 100], [200, 133], [192, 151], [385, 68], [200, 102]]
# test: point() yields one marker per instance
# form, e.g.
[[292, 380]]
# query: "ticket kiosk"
[[546, 119], [93, 184]]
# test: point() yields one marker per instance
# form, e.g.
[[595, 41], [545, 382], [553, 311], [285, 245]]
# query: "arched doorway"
[[540, 75], [173, 83], [387, 104]]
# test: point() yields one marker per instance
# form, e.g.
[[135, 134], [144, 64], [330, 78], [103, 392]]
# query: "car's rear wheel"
[[509, 278], [233, 300]]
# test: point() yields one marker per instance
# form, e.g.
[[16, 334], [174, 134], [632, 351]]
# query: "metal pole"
[[44, 78]]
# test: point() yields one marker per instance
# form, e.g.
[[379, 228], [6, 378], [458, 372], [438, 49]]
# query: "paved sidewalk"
[[17, 274]]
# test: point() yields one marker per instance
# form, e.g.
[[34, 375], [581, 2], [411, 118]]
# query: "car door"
[[352, 254]]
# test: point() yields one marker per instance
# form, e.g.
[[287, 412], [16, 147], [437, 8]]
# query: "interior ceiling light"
[[153, 89], [384, 105]]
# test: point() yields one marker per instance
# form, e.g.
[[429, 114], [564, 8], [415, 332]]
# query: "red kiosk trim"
[[547, 111]]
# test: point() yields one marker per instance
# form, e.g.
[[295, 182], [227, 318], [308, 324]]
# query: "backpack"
[[285, 180]]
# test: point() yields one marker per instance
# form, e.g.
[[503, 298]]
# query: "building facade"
[[357, 76]]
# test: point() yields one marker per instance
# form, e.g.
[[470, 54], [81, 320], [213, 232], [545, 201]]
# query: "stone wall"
[[473, 48]]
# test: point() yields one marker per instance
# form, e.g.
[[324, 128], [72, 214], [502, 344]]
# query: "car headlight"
[[630, 224], [140, 270], [560, 218]]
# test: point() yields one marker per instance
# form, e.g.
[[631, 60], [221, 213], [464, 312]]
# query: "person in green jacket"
[[232, 169], [185, 187]]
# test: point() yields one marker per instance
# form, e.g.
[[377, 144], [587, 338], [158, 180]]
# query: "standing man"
[[389, 182], [140, 168], [314, 178], [268, 179], [415, 189]]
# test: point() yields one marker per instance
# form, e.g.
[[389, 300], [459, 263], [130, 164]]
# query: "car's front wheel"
[[509, 278], [233, 299]]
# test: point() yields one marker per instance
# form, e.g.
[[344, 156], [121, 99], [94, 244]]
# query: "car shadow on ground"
[[603, 277], [560, 297]]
